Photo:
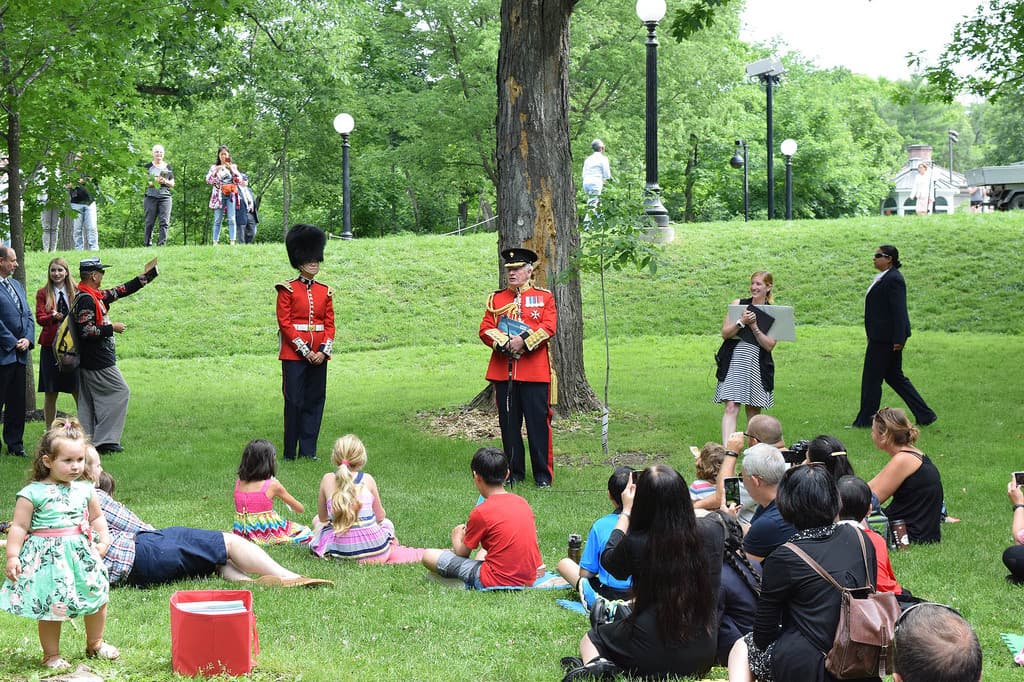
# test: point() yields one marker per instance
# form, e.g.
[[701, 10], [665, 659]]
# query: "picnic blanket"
[[550, 580], [1016, 645]]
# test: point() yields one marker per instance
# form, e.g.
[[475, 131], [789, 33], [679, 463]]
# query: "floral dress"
[[62, 576]]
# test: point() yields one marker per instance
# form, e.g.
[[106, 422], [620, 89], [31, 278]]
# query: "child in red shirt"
[[502, 526]]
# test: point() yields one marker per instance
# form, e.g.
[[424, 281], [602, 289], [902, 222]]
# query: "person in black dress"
[[676, 563], [909, 478], [798, 611], [887, 324]]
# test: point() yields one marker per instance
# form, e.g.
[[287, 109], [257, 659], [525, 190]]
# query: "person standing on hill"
[[157, 202], [518, 324], [596, 170], [102, 391], [887, 324], [305, 319]]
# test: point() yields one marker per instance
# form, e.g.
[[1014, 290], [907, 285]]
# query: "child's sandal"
[[56, 663], [107, 652]]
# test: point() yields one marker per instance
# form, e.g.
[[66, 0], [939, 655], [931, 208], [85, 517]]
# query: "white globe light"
[[344, 123], [788, 147], [650, 10]]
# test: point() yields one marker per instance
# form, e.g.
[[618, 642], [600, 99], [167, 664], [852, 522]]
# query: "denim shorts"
[[451, 565]]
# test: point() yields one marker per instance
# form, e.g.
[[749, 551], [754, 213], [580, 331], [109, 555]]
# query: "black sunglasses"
[[882, 255]]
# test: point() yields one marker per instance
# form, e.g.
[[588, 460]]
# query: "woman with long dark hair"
[[831, 452], [676, 564], [224, 177]]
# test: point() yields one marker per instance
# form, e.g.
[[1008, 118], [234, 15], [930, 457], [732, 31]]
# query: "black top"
[[918, 501], [96, 334], [799, 610]]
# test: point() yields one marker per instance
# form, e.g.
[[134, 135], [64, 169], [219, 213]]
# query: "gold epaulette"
[[542, 289], [330, 292], [287, 286]]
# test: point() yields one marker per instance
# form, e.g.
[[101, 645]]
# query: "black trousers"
[[305, 388], [1013, 557], [882, 363], [12, 399], [519, 400]]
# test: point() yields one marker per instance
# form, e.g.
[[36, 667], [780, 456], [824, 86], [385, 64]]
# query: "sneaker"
[[597, 669], [571, 663]]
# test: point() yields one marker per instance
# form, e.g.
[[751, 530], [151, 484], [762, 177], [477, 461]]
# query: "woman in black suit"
[[888, 327], [797, 612]]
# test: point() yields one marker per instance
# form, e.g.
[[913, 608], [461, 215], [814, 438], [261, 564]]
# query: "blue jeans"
[[84, 227], [218, 218]]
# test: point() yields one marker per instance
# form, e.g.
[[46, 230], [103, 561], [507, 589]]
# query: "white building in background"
[[948, 187]]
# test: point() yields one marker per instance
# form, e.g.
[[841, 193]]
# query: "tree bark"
[[536, 190]]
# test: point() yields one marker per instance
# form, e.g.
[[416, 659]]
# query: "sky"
[[869, 37]]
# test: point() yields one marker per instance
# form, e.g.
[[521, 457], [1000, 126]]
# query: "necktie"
[[62, 303], [10, 291]]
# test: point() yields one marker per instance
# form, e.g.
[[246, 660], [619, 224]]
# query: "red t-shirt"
[[503, 524], [886, 577]]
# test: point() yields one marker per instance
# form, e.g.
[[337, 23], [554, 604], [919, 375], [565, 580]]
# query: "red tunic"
[[305, 318], [533, 307]]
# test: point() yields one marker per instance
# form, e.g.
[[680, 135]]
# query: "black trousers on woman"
[[882, 363]]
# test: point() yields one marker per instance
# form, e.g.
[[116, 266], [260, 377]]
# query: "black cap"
[[305, 244], [92, 265], [517, 258]]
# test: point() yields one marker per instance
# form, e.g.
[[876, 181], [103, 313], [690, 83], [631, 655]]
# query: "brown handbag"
[[862, 646], [228, 188]]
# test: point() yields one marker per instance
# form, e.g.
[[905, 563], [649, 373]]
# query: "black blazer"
[[885, 310]]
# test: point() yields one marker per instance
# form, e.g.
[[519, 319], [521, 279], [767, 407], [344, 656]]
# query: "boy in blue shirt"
[[589, 577]]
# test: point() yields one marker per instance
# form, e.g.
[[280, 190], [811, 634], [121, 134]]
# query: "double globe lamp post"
[[344, 123]]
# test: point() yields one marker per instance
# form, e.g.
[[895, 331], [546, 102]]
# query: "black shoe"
[[928, 422], [18, 452], [313, 458], [597, 669], [571, 663], [544, 484], [107, 448]]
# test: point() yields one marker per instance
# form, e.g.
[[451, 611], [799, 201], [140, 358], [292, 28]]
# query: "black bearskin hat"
[[305, 244]]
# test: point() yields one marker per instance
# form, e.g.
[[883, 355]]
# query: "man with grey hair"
[[763, 467], [596, 170], [933, 643]]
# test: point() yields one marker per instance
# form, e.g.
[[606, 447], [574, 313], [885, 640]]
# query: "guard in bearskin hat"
[[305, 319]]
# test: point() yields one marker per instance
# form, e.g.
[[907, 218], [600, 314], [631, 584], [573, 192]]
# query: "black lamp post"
[[768, 72], [740, 161], [344, 123], [650, 13], [788, 148]]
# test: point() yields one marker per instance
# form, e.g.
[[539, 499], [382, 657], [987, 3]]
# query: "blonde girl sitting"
[[54, 570], [350, 521]]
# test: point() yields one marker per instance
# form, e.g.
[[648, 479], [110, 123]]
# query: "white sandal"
[[107, 652], [56, 663]]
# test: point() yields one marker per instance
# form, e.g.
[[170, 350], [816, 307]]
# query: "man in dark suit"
[[16, 333], [888, 327]]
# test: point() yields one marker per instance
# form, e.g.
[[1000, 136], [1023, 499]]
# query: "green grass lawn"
[[200, 357]]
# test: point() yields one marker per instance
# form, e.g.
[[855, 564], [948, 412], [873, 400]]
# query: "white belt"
[[306, 327]]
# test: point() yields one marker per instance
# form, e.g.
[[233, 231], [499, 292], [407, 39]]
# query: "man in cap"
[[305, 318], [247, 213], [102, 391], [16, 334], [518, 323]]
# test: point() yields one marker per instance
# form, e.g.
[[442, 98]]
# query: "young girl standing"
[[350, 521], [53, 302], [54, 571], [255, 490]]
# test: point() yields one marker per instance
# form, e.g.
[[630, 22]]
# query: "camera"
[[1018, 476]]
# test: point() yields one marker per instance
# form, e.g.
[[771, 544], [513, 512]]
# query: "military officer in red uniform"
[[305, 320], [518, 324]]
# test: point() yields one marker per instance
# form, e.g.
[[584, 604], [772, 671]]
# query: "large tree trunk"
[[536, 192]]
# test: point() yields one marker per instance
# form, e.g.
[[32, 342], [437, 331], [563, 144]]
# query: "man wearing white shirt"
[[596, 170]]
